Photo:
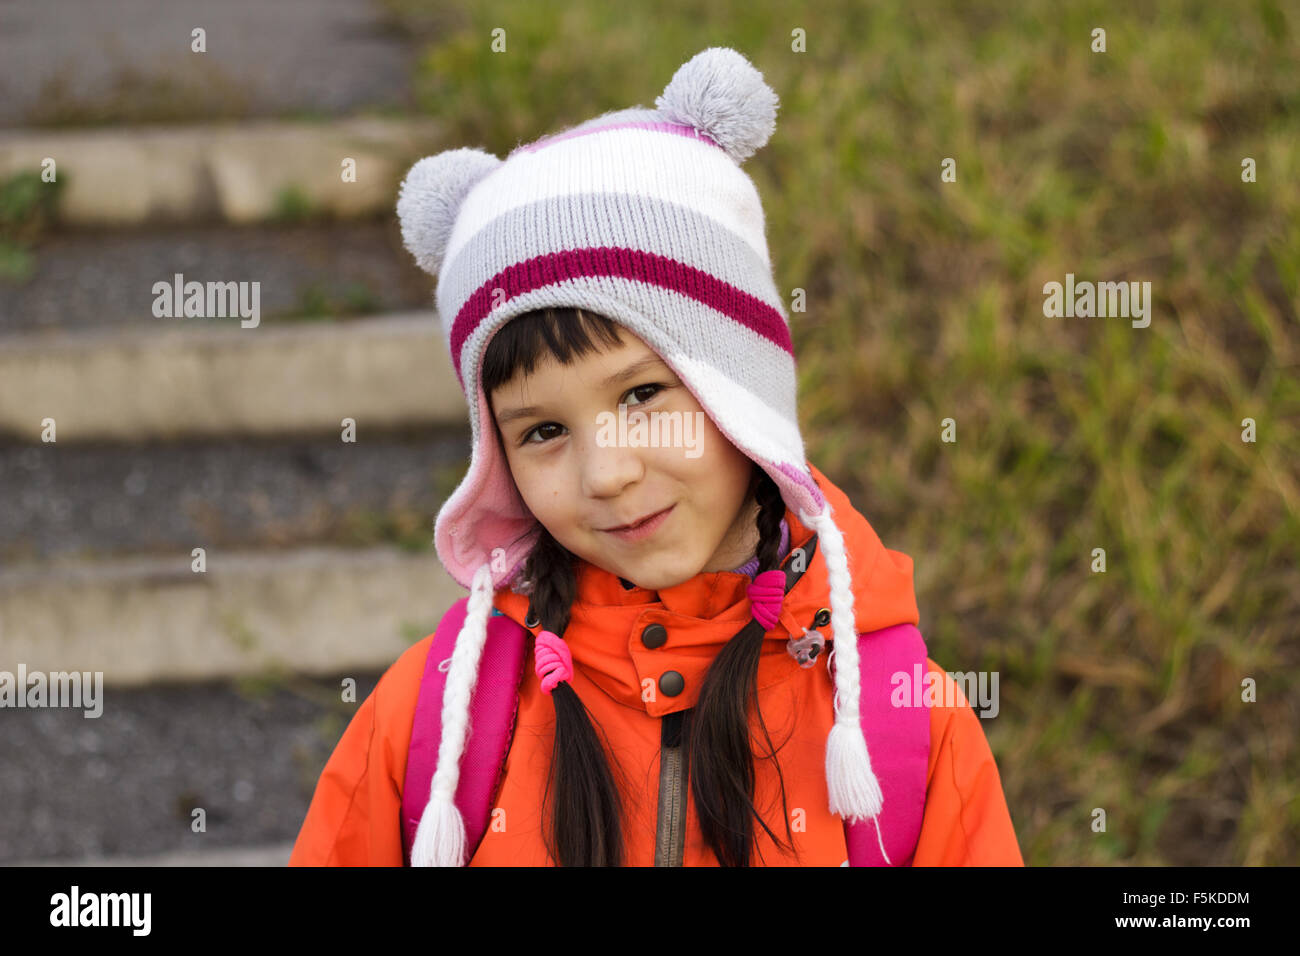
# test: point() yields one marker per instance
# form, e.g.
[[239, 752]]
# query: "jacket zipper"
[[670, 829], [670, 832]]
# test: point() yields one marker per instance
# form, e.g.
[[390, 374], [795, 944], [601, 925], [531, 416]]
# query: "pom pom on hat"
[[721, 93], [430, 197]]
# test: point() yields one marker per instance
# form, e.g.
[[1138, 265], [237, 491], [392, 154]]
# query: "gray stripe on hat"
[[588, 220]]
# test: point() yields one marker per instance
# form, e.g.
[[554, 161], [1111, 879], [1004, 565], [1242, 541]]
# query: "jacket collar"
[[608, 621]]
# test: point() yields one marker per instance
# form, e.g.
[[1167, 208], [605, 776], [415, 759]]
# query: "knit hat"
[[646, 218]]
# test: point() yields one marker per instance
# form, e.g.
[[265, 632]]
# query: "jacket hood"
[[704, 612]]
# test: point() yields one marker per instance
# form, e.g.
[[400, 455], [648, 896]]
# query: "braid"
[[552, 574], [585, 825], [771, 512], [719, 758]]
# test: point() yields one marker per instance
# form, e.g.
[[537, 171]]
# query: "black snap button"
[[672, 683], [656, 635], [823, 617]]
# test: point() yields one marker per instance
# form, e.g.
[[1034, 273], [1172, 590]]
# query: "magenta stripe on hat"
[[690, 132], [651, 268]]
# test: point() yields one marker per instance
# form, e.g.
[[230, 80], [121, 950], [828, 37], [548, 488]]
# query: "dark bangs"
[[565, 334]]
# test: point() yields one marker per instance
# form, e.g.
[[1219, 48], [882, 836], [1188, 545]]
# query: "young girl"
[[639, 500]]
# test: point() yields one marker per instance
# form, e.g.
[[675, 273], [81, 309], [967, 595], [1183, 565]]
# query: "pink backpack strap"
[[898, 739], [493, 707]]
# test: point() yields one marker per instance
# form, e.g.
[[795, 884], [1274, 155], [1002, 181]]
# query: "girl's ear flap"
[[430, 198]]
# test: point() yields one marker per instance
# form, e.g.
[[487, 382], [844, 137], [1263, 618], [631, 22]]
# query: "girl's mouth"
[[643, 530]]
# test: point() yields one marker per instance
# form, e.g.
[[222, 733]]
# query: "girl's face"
[[581, 474]]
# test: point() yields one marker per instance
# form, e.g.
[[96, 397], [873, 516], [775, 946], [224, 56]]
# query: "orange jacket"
[[354, 817]]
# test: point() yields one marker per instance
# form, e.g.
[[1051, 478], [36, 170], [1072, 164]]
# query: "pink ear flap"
[[430, 198]]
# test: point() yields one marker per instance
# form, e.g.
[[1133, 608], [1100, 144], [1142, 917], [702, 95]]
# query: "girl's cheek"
[[542, 470]]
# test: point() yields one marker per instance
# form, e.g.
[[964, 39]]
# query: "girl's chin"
[[657, 577]]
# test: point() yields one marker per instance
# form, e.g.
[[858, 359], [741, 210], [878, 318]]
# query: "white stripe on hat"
[[662, 167]]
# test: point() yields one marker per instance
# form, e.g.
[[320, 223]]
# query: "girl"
[[639, 500]]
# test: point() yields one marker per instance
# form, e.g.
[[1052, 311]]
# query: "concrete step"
[[123, 787], [69, 501], [104, 278], [145, 619], [246, 172], [195, 377], [129, 61], [276, 854]]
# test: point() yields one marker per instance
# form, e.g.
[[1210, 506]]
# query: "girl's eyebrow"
[[640, 365]]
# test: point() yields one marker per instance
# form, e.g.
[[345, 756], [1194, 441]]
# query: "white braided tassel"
[[440, 837], [854, 790]]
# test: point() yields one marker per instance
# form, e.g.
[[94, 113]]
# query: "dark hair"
[[585, 827]]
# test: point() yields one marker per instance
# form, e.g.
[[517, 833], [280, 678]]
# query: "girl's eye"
[[526, 440], [657, 389], [532, 431]]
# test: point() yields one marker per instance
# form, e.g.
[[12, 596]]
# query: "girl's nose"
[[608, 467]]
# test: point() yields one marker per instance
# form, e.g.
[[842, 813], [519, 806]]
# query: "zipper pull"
[[806, 649]]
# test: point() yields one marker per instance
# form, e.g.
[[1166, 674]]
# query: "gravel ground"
[[131, 60], [103, 499], [94, 279], [126, 783]]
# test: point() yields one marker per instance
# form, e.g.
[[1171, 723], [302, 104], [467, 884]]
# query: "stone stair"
[[177, 434]]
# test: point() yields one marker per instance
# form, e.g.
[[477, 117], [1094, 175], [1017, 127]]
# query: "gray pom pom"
[[720, 93], [431, 196]]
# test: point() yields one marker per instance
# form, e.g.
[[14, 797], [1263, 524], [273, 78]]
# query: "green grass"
[[406, 528], [27, 208], [293, 205], [17, 262], [133, 96], [317, 300], [1122, 689]]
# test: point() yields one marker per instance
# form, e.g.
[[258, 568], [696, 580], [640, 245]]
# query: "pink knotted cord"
[[554, 660], [766, 595]]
